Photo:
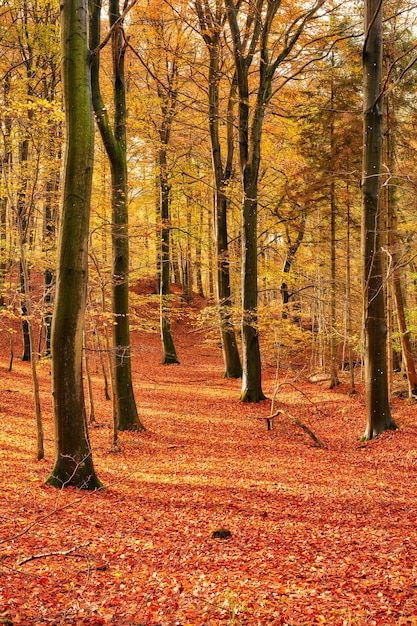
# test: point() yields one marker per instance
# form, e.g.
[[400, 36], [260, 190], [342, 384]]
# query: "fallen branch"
[[56, 553], [290, 384], [295, 420]]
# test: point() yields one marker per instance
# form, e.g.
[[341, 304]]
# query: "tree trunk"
[[210, 31], [74, 461], [5, 161], [292, 248], [198, 254], [115, 145], [407, 352], [334, 381], [187, 265], [23, 218], [52, 188], [252, 375], [348, 296], [231, 358], [249, 156], [168, 346], [40, 453], [378, 414]]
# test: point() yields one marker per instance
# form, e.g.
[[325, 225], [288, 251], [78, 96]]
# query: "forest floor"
[[318, 535]]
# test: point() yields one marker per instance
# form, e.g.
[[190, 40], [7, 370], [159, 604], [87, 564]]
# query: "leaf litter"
[[314, 536]]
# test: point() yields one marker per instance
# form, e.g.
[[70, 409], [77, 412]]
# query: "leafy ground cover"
[[317, 535]]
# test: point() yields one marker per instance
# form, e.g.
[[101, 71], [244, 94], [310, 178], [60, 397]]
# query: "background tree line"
[[230, 159]]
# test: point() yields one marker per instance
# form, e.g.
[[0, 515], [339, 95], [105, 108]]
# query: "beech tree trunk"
[[23, 218], [74, 461], [5, 160], [407, 352], [348, 331], [210, 29], [292, 248], [250, 35], [168, 346], [378, 413], [250, 155], [51, 210], [115, 143], [252, 374]]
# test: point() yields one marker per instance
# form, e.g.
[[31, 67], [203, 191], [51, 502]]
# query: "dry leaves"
[[317, 536]]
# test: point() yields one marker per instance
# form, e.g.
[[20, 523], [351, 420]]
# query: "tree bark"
[[5, 161], [252, 374], [168, 346], [407, 351], [22, 217], [249, 153], [292, 248], [210, 29], [115, 144], [378, 413], [74, 461], [334, 381], [51, 218]]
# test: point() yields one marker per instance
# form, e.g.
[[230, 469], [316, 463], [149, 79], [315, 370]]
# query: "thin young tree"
[[160, 51], [167, 94], [74, 461], [378, 413]]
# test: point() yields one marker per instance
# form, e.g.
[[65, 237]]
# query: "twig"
[[56, 553]]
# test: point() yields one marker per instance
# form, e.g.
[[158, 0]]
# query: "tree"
[[74, 461], [211, 26], [114, 140], [160, 51], [378, 413], [250, 34], [397, 49], [168, 100]]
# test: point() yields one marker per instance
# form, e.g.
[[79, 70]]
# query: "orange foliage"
[[317, 536]]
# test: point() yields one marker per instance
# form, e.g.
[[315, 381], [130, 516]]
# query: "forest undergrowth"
[[316, 535]]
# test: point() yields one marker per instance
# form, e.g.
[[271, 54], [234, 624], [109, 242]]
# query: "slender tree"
[[167, 94], [114, 140], [378, 413], [334, 381], [251, 39], [160, 51], [211, 26], [74, 461]]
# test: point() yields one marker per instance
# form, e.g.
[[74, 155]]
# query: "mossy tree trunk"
[[378, 413], [114, 139], [256, 61], [252, 374], [211, 24], [250, 133], [74, 461]]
